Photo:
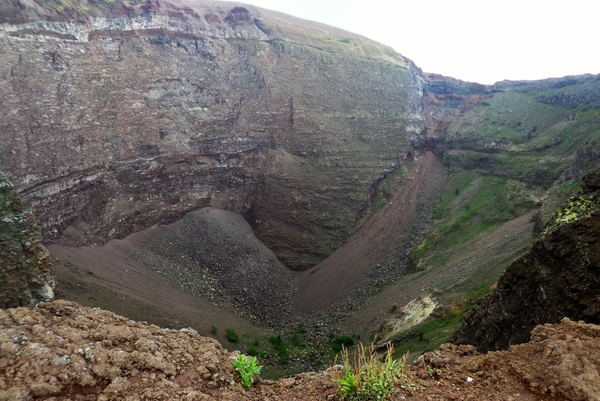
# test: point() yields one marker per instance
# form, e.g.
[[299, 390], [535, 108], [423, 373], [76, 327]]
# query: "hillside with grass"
[[513, 157]]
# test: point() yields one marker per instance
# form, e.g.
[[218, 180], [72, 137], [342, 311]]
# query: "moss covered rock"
[[26, 276]]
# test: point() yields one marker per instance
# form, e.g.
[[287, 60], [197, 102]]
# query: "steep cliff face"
[[559, 276], [445, 100], [26, 276], [119, 116]]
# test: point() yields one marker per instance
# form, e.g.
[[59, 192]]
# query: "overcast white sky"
[[474, 40]]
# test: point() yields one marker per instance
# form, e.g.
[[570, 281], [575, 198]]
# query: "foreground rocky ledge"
[[65, 351]]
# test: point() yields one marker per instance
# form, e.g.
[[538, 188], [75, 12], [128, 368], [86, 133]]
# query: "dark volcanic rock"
[[26, 276], [214, 253], [558, 277], [591, 182]]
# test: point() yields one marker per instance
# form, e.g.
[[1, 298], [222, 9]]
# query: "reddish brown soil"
[[562, 362], [389, 228], [68, 352]]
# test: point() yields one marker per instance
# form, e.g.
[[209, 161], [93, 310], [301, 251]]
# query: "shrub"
[[214, 330], [252, 351], [296, 340], [232, 335], [281, 348], [247, 368], [368, 377], [341, 342]]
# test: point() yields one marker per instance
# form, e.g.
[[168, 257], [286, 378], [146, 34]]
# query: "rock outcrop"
[[26, 276], [65, 351], [558, 277], [446, 99], [559, 362], [403, 317]]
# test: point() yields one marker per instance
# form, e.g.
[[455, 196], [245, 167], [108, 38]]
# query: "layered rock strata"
[[119, 118]]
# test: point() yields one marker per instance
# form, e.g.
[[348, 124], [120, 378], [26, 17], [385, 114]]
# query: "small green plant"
[[214, 330], [340, 342], [296, 340], [434, 373], [281, 348], [347, 384], [247, 368], [252, 351], [232, 335], [368, 377]]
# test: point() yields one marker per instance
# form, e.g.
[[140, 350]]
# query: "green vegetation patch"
[[436, 331], [470, 205], [232, 335], [515, 135], [576, 209]]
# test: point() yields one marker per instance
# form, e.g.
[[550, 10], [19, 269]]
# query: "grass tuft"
[[366, 376]]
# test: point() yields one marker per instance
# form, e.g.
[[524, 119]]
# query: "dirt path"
[[390, 228]]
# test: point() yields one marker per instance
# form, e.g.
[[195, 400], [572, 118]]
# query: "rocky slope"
[[65, 351], [26, 275], [214, 254], [510, 153], [211, 257], [557, 277]]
